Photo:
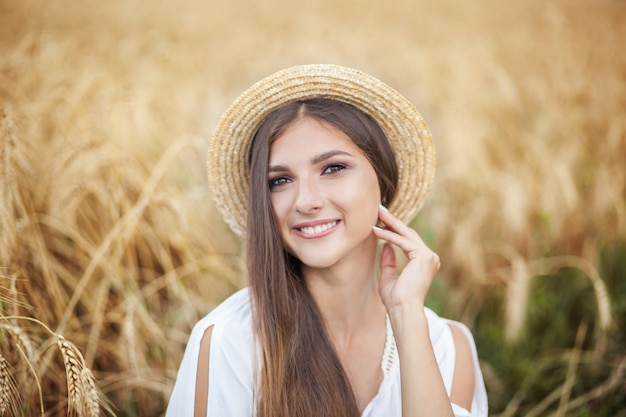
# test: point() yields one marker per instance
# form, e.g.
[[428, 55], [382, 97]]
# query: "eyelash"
[[328, 170], [334, 168], [278, 181]]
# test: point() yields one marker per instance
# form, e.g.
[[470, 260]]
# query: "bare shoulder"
[[462, 390], [202, 375]]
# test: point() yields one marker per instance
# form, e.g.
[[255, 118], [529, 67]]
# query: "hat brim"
[[405, 128]]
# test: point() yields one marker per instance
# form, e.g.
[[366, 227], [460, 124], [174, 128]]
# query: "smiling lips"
[[317, 230]]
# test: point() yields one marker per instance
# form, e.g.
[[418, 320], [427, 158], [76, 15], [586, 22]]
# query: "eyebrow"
[[327, 155], [315, 160]]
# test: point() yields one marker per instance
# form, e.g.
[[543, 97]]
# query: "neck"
[[347, 294]]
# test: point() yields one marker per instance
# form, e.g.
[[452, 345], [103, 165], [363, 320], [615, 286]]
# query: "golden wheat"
[[91, 404], [83, 396], [107, 230], [7, 187], [73, 367], [23, 342], [81, 388], [5, 386], [9, 398]]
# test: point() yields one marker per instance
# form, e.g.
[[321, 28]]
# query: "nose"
[[309, 198]]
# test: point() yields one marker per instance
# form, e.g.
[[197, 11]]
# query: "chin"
[[317, 263]]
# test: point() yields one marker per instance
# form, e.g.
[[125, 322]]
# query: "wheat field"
[[111, 248]]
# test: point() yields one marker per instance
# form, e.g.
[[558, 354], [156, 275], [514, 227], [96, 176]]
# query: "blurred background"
[[111, 248]]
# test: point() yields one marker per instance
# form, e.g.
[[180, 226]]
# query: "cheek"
[[364, 198], [374, 199], [372, 188]]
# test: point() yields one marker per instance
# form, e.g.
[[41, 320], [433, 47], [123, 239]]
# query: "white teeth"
[[317, 229]]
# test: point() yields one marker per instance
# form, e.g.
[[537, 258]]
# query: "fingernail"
[[377, 228], [383, 208]]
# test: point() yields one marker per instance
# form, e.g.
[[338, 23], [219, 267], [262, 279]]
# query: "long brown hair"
[[301, 374]]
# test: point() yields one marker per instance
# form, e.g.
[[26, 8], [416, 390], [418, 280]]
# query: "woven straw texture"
[[404, 126]]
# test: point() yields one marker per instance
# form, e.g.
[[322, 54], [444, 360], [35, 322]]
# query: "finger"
[[393, 223], [389, 219], [407, 244], [387, 261]]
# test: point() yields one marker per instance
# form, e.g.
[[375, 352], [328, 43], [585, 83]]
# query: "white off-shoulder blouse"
[[232, 366]]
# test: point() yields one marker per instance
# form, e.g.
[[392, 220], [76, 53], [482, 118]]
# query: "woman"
[[304, 164]]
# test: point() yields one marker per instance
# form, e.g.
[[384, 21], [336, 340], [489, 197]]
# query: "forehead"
[[309, 135]]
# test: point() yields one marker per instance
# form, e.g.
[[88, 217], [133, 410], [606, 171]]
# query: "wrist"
[[410, 328], [403, 311], [407, 316]]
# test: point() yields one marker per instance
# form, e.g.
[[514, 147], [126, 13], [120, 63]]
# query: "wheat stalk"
[[7, 177], [25, 345], [27, 350]]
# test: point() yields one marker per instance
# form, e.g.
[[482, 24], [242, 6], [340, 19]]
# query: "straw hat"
[[408, 134]]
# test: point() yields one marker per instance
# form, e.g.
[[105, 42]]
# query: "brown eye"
[[334, 168], [278, 181]]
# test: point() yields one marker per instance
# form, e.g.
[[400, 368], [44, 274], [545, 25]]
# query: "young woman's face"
[[324, 192]]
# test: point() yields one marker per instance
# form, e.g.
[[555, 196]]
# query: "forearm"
[[423, 390]]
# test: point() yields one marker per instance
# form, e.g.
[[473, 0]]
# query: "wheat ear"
[[5, 390], [92, 399], [81, 387], [9, 401]]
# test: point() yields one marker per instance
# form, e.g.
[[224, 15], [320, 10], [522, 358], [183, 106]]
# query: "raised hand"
[[410, 287], [423, 390]]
